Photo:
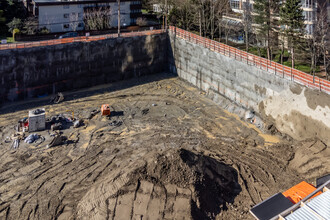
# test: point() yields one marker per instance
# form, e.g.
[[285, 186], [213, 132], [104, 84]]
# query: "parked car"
[[68, 35]]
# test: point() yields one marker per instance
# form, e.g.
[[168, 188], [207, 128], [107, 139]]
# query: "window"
[[66, 6], [309, 15], [66, 15], [79, 15], [135, 3], [307, 4], [80, 25], [234, 4], [66, 26]]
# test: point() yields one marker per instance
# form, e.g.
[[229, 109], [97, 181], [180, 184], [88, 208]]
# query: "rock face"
[[33, 72]]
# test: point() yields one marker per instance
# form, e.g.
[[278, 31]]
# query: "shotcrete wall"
[[36, 71], [298, 111]]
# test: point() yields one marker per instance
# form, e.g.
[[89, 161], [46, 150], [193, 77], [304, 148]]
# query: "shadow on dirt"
[[216, 186], [82, 93]]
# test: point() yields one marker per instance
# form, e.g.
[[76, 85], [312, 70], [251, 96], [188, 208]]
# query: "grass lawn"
[[304, 67], [9, 39]]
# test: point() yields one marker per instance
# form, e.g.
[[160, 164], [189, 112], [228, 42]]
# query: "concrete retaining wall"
[[284, 102], [36, 71]]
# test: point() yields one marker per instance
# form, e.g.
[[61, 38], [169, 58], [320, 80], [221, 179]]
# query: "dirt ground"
[[168, 152]]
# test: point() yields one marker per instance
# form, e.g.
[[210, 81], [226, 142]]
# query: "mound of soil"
[[213, 184], [176, 183]]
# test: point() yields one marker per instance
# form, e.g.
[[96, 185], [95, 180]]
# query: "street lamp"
[[118, 18]]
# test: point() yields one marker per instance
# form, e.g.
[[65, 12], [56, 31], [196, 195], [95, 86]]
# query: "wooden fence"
[[251, 59]]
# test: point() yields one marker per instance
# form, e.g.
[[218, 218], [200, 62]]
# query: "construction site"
[[144, 131]]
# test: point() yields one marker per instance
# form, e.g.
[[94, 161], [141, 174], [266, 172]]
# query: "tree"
[[321, 29], [183, 14], [2, 18], [141, 21], [16, 23], [247, 22], [10, 9], [230, 27], [2, 23], [74, 21], [291, 16], [30, 26], [97, 18], [265, 12]]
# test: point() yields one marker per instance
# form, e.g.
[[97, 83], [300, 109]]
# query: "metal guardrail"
[[253, 60], [76, 39]]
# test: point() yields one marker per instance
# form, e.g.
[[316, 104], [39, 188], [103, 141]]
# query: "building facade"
[[63, 16], [309, 11]]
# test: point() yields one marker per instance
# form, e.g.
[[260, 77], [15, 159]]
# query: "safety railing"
[[76, 39], [253, 60]]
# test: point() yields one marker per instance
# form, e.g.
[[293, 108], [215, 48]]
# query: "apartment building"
[[68, 15], [309, 10]]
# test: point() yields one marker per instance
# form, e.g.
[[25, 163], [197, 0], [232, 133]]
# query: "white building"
[[160, 8], [309, 11], [64, 16]]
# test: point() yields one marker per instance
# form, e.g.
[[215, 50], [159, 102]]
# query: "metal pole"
[[118, 18], [166, 11]]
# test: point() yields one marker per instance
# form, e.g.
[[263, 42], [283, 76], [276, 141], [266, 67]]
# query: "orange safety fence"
[[251, 59], [75, 39], [299, 192]]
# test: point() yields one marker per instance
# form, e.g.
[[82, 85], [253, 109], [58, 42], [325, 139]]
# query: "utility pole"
[[118, 18], [166, 11]]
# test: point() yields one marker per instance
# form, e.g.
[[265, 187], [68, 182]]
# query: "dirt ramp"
[[312, 159], [175, 184]]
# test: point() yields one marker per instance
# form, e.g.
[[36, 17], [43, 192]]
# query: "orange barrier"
[[299, 192], [75, 39], [251, 59]]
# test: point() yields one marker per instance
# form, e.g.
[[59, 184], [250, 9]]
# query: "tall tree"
[[291, 16], [321, 29], [265, 12], [247, 22], [2, 23]]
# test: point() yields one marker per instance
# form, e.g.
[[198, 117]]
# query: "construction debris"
[[57, 140], [31, 138], [116, 123], [145, 111], [59, 97], [105, 110], [77, 123], [56, 126], [15, 144], [92, 113]]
